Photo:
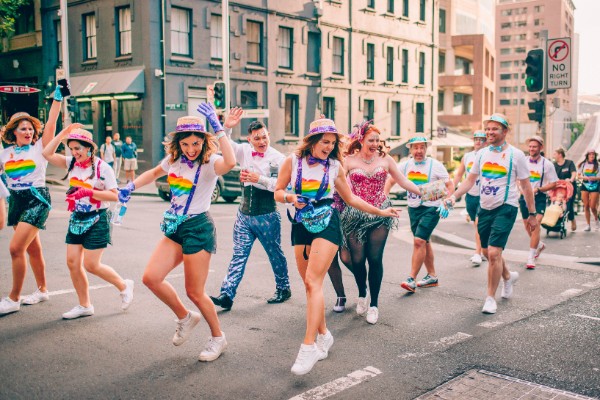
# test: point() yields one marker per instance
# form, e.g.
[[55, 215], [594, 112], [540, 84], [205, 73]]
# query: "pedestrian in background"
[[129, 154], [117, 142], [107, 151], [566, 170], [589, 172]]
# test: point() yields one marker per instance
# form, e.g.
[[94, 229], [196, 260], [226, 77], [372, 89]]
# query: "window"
[[462, 66], [538, 22], [390, 6], [396, 118], [505, 77], [254, 42], [505, 51], [506, 64], [338, 56], [442, 20], [286, 49], [462, 104], [329, 107], [536, 35], [506, 13], [505, 25], [181, 33], [440, 101], [422, 10], [520, 50], [389, 73], [522, 36], [291, 114], [504, 102], [368, 109], [405, 8], [421, 68], [89, 33], [521, 24], [504, 89], [216, 37], [420, 118], [505, 38], [248, 101], [442, 63], [404, 66], [370, 61], [59, 53], [123, 31], [314, 52], [370, 3], [538, 8], [25, 22]]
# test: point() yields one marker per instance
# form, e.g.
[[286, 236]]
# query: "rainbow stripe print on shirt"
[[589, 172], [534, 176], [179, 185], [16, 169], [76, 182], [310, 187], [493, 171], [469, 166], [418, 178]]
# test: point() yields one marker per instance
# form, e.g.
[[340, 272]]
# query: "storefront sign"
[[18, 89]]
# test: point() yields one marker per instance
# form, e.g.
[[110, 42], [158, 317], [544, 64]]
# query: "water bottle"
[[119, 213]]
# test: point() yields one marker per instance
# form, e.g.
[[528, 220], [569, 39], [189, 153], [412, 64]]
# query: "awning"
[[452, 140], [109, 82]]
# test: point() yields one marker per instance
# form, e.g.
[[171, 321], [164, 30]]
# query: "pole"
[[64, 33], [543, 95], [518, 124], [225, 47]]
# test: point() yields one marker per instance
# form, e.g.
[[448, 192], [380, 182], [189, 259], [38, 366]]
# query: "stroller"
[[555, 217]]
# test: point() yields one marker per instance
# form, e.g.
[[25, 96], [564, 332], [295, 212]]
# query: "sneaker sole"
[[406, 287], [32, 304], [78, 316], [428, 285], [10, 312], [488, 312], [339, 310], [213, 358], [530, 266], [194, 323]]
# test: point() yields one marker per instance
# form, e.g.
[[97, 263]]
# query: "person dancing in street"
[[566, 170], [588, 172], [92, 185], [542, 177], [472, 196], [424, 216], [29, 201], [498, 168], [257, 216], [193, 167], [368, 167], [316, 173]]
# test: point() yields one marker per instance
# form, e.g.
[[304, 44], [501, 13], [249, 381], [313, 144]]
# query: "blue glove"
[[57, 94], [443, 211], [125, 193], [211, 116]]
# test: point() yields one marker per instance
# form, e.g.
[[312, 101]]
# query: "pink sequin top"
[[369, 186]]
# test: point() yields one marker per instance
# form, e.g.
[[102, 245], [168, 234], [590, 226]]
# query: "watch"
[[534, 213]]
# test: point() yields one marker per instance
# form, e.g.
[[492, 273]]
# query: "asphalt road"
[[547, 334]]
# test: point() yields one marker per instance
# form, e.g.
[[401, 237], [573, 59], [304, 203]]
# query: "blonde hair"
[[310, 141]]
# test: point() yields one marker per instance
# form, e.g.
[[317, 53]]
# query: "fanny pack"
[[171, 220], [80, 223]]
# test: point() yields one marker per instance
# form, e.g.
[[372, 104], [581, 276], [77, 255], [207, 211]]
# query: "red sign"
[[18, 89]]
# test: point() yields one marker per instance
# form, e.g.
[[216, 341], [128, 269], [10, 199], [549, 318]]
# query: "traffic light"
[[538, 107], [534, 79], [72, 108], [220, 100]]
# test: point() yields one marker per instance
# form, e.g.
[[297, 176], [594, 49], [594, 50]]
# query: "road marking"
[[585, 316], [571, 292], [491, 324], [334, 387], [440, 344]]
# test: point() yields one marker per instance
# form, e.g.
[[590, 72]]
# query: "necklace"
[[368, 161]]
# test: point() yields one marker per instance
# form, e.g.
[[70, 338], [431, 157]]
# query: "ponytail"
[[71, 165], [93, 166]]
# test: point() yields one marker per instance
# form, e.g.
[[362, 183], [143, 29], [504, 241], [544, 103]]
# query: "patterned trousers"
[[267, 229]]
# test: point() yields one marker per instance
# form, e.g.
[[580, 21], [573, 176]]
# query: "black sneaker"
[[222, 301], [280, 296]]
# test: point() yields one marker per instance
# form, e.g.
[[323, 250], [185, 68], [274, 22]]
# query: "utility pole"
[[543, 95], [225, 47], [64, 33]]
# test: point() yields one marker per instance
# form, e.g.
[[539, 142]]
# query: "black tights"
[[371, 251], [335, 272]]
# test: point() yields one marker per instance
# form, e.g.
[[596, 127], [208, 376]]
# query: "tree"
[[9, 12]]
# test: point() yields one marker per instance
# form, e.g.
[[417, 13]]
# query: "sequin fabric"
[[369, 186]]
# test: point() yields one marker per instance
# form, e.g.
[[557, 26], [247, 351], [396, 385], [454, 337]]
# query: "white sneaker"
[[79, 311], [483, 258], [530, 263], [324, 343], [362, 305], [372, 315], [127, 295], [8, 306], [476, 260], [540, 248], [490, 306], [587, 228], [214, 348], [35, 297], [507, 288], [308, 356], [185, 327]]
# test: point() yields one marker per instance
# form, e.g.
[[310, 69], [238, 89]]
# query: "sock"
[[532, 253], [540, 244]]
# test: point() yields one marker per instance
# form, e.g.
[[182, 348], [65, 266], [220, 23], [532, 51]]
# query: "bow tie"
[[531, 160], [497, 148], [258, 154], [420, 162], [187, 161], [84, 164], [314, 160], [22, 148]]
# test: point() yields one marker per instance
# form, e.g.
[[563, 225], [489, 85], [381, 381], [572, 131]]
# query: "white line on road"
[[571, 292], [334, 387], [491, 324], [440, 344], [585, 316]]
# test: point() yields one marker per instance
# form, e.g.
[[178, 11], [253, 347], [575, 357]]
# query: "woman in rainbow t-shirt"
[[29, 201], [588, 172]]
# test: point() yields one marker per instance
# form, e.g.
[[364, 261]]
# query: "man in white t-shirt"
[[542, 177], [107, 151], [498, 168]]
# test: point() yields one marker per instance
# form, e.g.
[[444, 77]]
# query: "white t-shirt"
[[313, 176], [468, 159], [181, 180], [492, 168], [429, 171], [80, 177], [541, 173], [267, 166], [587, 170], [26, 169], [108, 151]]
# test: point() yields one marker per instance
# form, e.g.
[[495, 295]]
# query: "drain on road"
[[481, 384]]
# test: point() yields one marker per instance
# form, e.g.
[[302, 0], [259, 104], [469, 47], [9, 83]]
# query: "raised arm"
[[233, 119], [400, 178], [49, 152], [225, 164]]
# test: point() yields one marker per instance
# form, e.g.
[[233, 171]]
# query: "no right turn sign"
[[559, 63]]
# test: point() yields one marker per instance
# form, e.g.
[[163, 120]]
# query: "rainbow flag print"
[[534, 176], [493, 171], [76, 182], [469, 166], [310, 187], [179, 185], [418, 178], [16, 169], [589, 172]]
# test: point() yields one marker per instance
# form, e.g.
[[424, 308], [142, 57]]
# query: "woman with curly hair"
[[193, 167], [368, 167], [29, 201]]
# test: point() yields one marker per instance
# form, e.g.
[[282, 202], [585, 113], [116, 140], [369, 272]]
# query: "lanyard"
[[192, 191]]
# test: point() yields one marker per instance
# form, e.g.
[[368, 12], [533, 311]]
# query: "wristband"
[[532, 214], [220, 135]]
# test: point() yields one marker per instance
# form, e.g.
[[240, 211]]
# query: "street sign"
[[263, 113], [18, 89], [559, 63], [176, 107]]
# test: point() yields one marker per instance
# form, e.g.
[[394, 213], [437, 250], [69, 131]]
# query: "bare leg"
[[429, 261], [496, 269], [78, 276], [24, 235], [37, 262], [418, 256], [93, 264]]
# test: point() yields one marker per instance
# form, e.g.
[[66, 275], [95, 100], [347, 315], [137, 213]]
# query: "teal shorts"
[[196, 234], [494, 226], [423, 221]]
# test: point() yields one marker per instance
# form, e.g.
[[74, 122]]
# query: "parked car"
[[228, 187]]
